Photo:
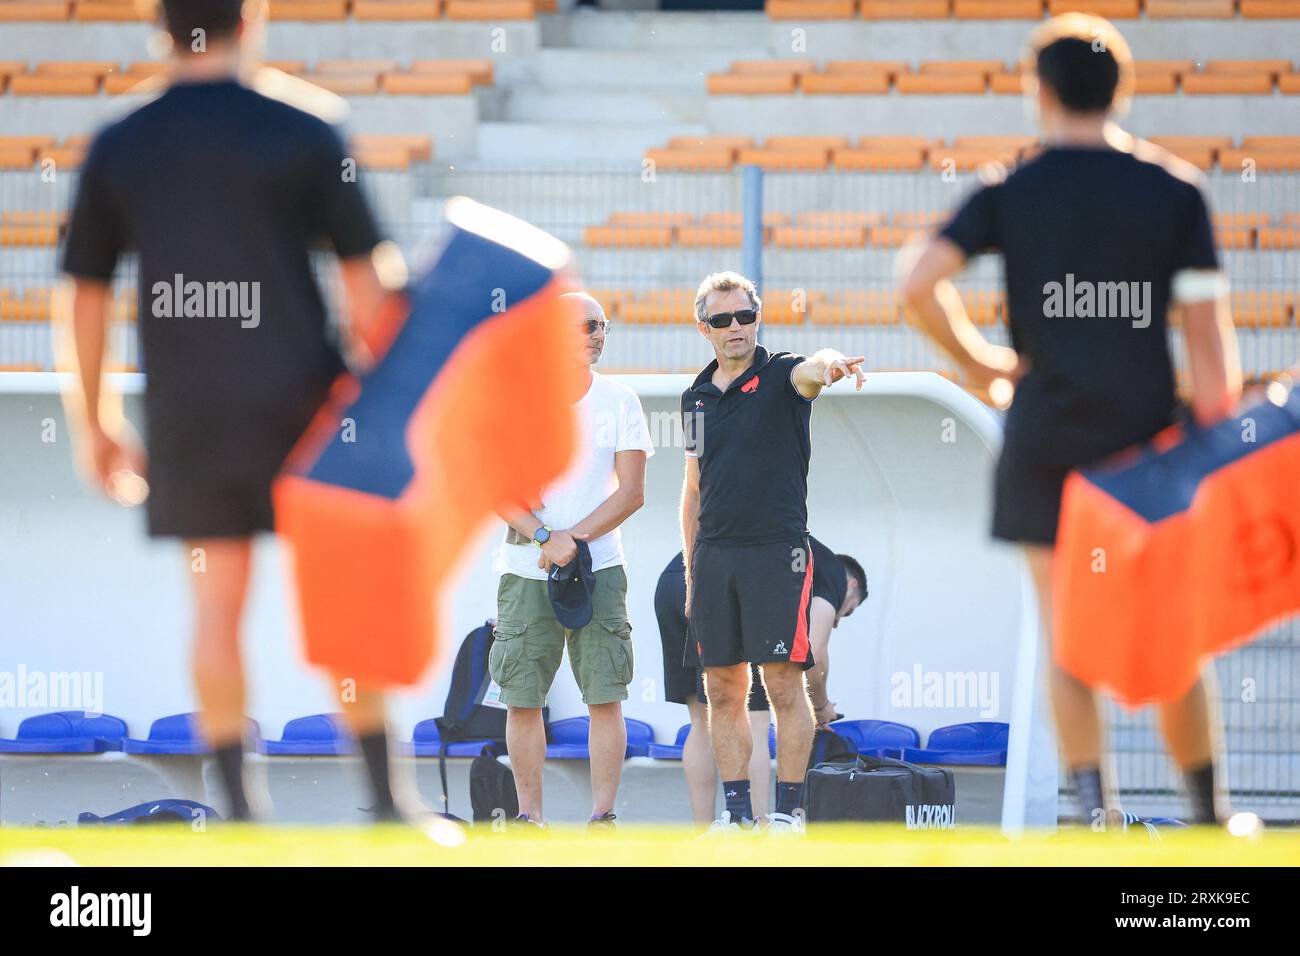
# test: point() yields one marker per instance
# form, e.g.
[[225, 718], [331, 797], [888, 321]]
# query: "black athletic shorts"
[[682, 680], [179, 508], [750, 604]]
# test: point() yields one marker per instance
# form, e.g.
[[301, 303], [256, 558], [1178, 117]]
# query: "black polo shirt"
[[753, 442], [830, 579], [215, 186]]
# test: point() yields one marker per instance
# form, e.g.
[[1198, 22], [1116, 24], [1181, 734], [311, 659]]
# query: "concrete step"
[[574, 105], [617, 30], [522, 145], [682, 71]]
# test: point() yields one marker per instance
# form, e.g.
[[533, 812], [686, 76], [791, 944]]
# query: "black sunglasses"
[[723, 319], [589, 326]]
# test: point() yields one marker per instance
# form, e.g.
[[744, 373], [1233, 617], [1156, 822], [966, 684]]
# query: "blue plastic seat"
[[975, 744], [878, 738], [315, 736], [177, 734], [569, 739], [426, 741], [67, 732], [671, 751]]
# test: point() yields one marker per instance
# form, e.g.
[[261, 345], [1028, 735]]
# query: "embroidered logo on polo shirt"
[[699, 403], [751, 385]]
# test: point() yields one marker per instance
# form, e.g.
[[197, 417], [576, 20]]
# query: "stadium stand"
[[315, 736], [980, 743], [67, 732], [569, 738]]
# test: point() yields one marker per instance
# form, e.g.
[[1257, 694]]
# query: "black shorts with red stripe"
[[749, 604]]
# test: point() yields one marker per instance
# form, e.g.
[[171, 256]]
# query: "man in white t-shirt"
[[604, 486]]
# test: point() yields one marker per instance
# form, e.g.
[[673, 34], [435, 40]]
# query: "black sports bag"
[[880, 789]]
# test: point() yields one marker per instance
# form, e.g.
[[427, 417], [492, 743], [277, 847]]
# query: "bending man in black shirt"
[[224, 192], [1099, 234], [749, 568]]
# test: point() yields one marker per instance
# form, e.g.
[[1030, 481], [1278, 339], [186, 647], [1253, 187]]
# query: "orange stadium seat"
[[710, 235], [346, 83], [819, 237], [696, 160], [751, 84], [1254, 84], [1235, 237], [965, 77], [890, 237], [111, 11], [984, 307], [711, 142], [418, 148], [1008, 84], [623, 236], [1270, 9], [479, 71], [1279, 237], [807, 158], [490, 10], [1262, 310], [356, 66], [890, 68], [307, 10], [919, 220], [26, 10], [839, 217], [790, 306], [805, 142], [76, 67], [905, 9], [948, 67], [920, 143], [849, 83], [1270, 144], [1110, 9], [859, 307], [770, 219], [878, 159], [780, 67], [611, 300], [810, 9], [33, 233], [1190, 9], [397, 9], [1240, 220], [998, 9], [659, 307], [427, 84], [1266, 160], [54, 84], [1248, 66]]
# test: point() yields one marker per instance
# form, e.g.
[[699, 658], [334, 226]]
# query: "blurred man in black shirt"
[[224, 192], [1099, 234]]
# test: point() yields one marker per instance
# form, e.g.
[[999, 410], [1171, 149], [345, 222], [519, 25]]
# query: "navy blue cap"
[[570, 588]]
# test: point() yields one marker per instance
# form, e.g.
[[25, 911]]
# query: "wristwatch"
[[541, 535]]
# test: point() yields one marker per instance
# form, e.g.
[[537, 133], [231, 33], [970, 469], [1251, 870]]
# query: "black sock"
[[1200, 788], [738, 802], [1087, 788], [374, 749], [789, 797], [230, 763]]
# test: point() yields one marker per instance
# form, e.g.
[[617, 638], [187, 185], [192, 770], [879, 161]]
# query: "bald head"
[[590, 318]]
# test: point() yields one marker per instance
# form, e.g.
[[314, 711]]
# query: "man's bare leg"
[[220, 570], [363, 709], [728, 692], [1192, 731], [526, 741], [607, 744], [698, 764], [788, 692], [760, 762], [1075, 707]]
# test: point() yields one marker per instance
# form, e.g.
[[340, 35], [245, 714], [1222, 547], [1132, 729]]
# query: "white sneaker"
[[725, 826], [785, 825]]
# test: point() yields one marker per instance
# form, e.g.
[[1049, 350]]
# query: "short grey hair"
[[725, 282]]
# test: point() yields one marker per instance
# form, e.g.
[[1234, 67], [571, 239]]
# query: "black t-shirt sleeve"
[[788, 363], [344, 217], [96, 232], [1198, 249], [974, 228]]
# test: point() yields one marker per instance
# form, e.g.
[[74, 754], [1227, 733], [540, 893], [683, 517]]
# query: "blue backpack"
[[157, 811]]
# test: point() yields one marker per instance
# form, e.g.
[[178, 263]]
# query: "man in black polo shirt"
[[839, 586], [749, 569], [1103, 220], [224, 193]]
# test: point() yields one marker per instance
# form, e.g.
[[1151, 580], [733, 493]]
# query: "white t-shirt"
[[609, 420]]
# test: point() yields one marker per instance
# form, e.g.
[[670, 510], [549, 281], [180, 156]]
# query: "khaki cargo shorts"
[[530, 642]]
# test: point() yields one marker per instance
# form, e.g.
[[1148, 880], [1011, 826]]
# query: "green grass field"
[[633, 846]]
